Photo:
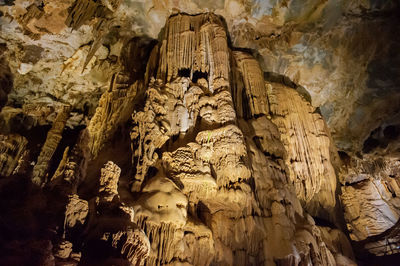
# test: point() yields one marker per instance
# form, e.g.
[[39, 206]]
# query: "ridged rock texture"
[[195, 132], [218, 180]]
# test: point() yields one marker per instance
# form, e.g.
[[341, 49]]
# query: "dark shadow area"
[[134, 56], [184, 72], [198, 75], [69, 139]]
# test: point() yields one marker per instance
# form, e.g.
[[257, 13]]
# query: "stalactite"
[[115, 107], [54, 136], [198, 45], [249, 90]]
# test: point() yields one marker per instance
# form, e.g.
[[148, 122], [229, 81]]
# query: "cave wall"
[[223, 151]]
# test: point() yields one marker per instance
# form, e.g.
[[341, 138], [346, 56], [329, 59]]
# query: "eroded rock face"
[[370, 189], [201, 167], [232, 162], [305, 137]]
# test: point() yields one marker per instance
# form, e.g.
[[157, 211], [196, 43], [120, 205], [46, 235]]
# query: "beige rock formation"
[[231, 162], [303, 132], [52, 140], [115, 107], [12, 149], [103, 220], [370, 189], [250, 93], [226, 176]]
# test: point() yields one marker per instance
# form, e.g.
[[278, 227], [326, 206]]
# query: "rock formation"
[[53, 138], [369, 196], [304, 135], [103, 223], [209, 156], [12, 151], [160, 133]]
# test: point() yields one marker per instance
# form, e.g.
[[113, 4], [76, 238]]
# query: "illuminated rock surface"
[[157, 132]]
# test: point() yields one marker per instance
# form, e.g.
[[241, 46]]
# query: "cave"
[[199, 132]]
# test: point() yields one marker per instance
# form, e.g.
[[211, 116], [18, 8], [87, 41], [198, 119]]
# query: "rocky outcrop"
[[370, 189]]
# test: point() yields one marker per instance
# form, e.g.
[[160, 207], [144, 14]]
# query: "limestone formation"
[[115, 107], [104, 223], [109, 181], [52, 140], [303, 132], [370, 190], [226, 176], [12, 149], [250, 93], [199, 132]]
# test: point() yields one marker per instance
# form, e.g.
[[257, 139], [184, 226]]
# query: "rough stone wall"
[[370, 187]]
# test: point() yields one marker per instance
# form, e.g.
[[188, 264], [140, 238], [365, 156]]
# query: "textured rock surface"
[[12, 149], [370, 196], [304, 134], [328, 47], [115, 107], [229, 153], [199, 168], [105, 224]]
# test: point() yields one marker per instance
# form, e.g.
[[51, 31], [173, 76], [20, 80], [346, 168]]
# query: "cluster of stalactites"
[[195, 47]]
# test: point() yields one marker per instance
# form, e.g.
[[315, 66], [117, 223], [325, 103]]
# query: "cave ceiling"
[[342, 54]]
